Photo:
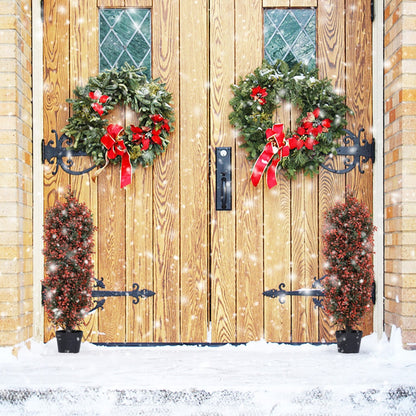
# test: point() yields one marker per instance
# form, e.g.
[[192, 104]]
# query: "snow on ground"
[[255, 379]]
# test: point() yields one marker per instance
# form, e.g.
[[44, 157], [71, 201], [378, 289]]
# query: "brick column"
[[16, 293], [400, 167]]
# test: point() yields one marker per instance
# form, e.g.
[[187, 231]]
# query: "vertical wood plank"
[[304, 257], [223, 270], [194, 170], [359, 97], [331, 63], [249, 200], [84, 42], [303, 3], [311, 253], [165, 35], [276, 3], [139, 249], [138, 3], [112, 246], [304, 253], [277, 246], [111, 3], [139, 238], [359, 86], [56, 91]]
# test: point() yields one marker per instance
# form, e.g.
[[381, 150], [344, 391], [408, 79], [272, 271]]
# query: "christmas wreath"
[[320, 124], [131, 145]]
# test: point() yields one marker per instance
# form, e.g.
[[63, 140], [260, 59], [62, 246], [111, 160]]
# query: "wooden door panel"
[[163, 232], [359, 98], [166, 220], [222, 223], [331, 64], [249, 200], [194, 97]]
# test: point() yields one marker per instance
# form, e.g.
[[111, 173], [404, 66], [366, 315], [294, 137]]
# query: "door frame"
[[378, 167]]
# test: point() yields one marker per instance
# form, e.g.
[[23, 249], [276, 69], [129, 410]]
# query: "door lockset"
[[223, 196]]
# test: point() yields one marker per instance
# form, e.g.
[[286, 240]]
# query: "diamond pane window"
[[125, 36], [289, 35]]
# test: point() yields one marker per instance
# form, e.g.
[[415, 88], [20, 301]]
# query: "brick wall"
[[400, 168], [16, 293]]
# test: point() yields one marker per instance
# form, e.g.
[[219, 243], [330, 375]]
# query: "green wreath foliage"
[[299, 86], [125, 86]]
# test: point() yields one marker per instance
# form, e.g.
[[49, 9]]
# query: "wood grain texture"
[[124, 3], [138, 3], [303, 3], [277, 249], [112, 246], [304, 252], [166, 173], [276, 3], [304, 257], [139, 249], [83, 40], [249, 200], [223, 270], [359, 98], [193, 173], [111, 3], [156, 233], [56, 91], [331, 64]]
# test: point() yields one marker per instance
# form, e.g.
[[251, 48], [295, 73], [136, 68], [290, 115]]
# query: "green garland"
[[256, 98], [125, 86]]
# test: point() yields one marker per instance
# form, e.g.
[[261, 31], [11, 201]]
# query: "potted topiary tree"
[[67, 287], [348, 248]]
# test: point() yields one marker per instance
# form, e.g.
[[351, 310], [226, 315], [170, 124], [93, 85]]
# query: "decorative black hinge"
[[62, 155], [360, 152], [135, 293], [372, 10], [316, 291]]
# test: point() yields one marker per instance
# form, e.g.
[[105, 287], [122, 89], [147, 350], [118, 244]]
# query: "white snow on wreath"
[[320, 124]]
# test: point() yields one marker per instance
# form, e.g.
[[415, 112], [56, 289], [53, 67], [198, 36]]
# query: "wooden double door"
[[208, 268]]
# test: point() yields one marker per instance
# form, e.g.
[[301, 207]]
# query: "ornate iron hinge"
[[360, 152], [61, 155], [316, 291], [135, 293]]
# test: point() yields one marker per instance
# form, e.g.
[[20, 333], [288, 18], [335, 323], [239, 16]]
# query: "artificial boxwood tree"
[[68, 248], [348, 248]]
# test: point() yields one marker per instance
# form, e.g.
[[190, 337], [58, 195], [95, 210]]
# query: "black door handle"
[[223, 197]]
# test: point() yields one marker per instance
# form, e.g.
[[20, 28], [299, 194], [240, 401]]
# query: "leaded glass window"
[[125, 36], [290, 35]]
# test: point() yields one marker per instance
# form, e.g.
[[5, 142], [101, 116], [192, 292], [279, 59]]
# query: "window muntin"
[[290, 35], [125, 36]]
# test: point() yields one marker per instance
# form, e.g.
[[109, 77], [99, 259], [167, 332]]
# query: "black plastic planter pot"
[[69, 341], [349, 341]]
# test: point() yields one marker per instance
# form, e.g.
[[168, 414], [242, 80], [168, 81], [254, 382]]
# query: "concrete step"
[[290, 400]]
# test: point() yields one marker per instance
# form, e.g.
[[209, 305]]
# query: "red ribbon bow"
[[116, 147], [275, 146]]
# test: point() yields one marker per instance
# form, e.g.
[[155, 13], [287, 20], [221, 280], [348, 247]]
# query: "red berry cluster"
[[68, 245], [145, 135], [348, 248]]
